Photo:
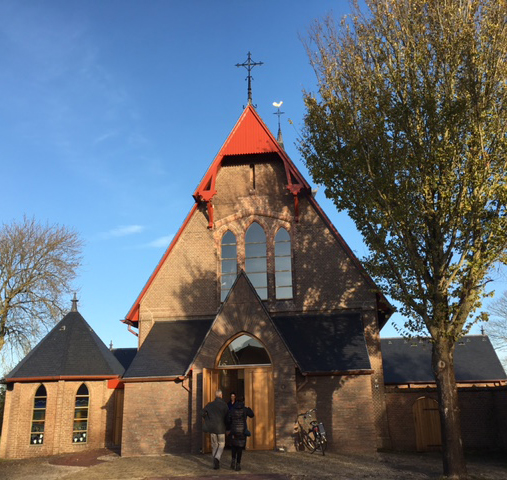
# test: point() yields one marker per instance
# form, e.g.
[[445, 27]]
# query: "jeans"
[[217, 444]]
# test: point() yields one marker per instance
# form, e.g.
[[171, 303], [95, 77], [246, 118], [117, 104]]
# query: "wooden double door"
[[256, 384]]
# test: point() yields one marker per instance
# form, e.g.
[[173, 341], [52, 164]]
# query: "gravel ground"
[[105, 465]]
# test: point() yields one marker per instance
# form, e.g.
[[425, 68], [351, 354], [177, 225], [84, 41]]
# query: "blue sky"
[[111, 112]]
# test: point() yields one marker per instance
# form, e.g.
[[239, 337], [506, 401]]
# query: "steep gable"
[[243, 312], [281, 198], [249, 136]]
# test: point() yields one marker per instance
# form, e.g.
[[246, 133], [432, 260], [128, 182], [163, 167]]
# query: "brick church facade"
[[258, 294]]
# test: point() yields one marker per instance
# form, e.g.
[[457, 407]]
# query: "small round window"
[[244, 350]]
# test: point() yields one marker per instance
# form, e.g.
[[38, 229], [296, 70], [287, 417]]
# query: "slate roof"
[[325, 343], [71, 348], [125, 356], [407, 361], [169, 349]]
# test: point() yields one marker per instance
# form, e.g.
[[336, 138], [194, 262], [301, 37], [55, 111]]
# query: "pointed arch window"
[[229, 266], [283, 265], [39, 416], [255, 259], [244, 350], [80, 428]]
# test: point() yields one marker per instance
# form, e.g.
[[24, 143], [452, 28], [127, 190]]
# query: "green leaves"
[[408, 135]]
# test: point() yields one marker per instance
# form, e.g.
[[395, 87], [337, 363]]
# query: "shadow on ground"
[[107, 465]]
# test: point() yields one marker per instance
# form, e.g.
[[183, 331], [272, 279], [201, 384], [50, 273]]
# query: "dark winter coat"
[[215, 416], [236, 423]]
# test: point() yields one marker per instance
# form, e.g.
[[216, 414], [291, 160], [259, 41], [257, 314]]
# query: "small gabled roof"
[[71, 349], [169, 349], [409, 361], [326, 343], [249, 136]]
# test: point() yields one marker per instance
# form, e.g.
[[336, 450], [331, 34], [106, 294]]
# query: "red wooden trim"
[[133, 314], [295, 181], [115, 384]]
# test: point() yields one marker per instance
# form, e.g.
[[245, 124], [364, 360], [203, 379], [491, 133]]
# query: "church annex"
[[257, 294]]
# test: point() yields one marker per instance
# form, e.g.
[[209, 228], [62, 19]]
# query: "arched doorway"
[[244, 366], [427, 425]]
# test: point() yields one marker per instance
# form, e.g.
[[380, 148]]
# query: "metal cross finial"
[[279, 113], [74, 303], [249, 65]]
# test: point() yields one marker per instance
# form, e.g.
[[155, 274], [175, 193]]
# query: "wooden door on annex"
[[427, 425], [259, 396]]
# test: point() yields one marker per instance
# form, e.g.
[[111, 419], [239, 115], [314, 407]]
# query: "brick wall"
[[156, 418], [59, 419], [324, 276], [325, 279], [483, 416], [244, 313], [372, 336], [345, 407]]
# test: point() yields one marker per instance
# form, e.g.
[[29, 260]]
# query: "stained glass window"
[[80, 428], [39, 416]]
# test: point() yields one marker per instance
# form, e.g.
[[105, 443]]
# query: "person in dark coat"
[[236, 424], [215, 417], [232, 401]]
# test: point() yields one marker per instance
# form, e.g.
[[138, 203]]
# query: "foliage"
[[409, 138], [408, 135], [37, 266]]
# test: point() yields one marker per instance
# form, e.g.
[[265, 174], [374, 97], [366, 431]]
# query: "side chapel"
[[257, 293]]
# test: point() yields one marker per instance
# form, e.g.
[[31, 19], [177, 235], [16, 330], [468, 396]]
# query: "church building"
[[257, 294]]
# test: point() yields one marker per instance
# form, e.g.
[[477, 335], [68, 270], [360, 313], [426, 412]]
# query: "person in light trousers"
[[215, 416]]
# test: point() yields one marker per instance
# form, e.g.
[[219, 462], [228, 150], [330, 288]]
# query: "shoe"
[[216, 464], [238, 467], [233, 464]]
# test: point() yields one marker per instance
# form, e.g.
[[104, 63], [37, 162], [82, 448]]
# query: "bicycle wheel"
[[300, 440], [321, 443], [309, 442]]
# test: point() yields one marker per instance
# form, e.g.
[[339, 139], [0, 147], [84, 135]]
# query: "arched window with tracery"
[[244, 350], [80, 428], [255, 259], [229, 265], [38, 416], [283, 265]]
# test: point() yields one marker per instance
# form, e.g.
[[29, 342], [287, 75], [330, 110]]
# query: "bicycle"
[[310, 433]]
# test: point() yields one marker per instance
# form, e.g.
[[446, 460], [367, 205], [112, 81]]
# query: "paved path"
[[105, 465]]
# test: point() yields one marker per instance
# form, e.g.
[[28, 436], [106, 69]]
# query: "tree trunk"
[[443, 367]]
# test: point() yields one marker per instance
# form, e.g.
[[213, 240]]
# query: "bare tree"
[[407, 133], [496, 328], [37, 266]]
